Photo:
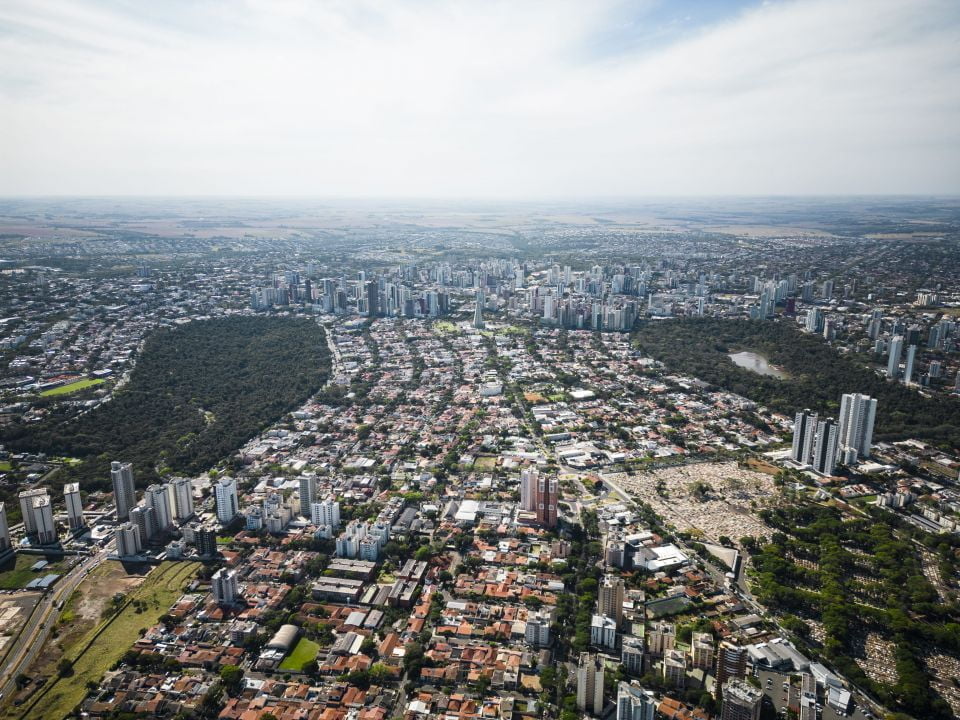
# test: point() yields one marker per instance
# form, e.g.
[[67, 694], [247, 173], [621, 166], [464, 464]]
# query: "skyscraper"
[[857, 414], [546, 498], [478, 312], [6, 547], [373, 298], [908, 370], [145, 520], [124, 493], [26, 499], [804, 432], [825, 447], [308, 493], [528, 488], [156, 498], [228, 506], [71, 497], [590, 684], [610, 599], [731, 664], [893, 362], [180, 498]]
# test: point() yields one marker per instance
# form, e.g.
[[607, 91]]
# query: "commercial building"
[[124, 492]]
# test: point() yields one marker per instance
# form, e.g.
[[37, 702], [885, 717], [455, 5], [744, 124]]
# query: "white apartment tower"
[[180, 498], [228, 506], [225, 586], [857, 415], [124, 492], [128, 540], [71, 497], [156, 498], [326, 512]]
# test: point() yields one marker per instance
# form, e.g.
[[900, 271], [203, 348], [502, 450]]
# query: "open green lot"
[[94, 653], [16, 572], [71, 387], [305, 651], [5, 466]]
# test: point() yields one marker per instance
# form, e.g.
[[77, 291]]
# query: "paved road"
[[33, 636]]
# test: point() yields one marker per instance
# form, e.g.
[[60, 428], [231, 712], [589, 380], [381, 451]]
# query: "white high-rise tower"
[[124, 492], [857, 414]]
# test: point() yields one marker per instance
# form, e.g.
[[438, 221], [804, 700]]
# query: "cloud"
[[494, 99]]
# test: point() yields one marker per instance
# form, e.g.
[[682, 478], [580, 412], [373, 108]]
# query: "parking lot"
[[783, 698]]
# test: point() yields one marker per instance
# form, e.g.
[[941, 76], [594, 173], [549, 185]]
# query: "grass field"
[[94, 653], [5, 466], [16, 573], [71, 387], [305, 651], [445, 327]]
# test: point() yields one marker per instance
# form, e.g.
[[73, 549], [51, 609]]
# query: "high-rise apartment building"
[[180, 498], [546, 498], [225, 587], [731, 664], [804, 433], [26, 499], [825, 447], [590, 684], [71, 497], [478, 312], [6, 546], [741, 701], [124, 492], [528, 488], [634, 703], [610, 599], [893, 361], [46, 529], [308, 492], [225, 492], [326, 512], [157, 499], [128, 540], [857, 415], [908, 369]]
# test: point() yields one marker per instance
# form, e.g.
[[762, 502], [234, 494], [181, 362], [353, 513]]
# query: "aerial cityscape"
[[480, 361]]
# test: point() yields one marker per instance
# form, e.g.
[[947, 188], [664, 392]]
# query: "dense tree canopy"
[[818, 375], [197, 393]]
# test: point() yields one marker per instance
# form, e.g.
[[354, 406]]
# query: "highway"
[[33, 636]]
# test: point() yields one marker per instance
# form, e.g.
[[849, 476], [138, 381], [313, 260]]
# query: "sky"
[[479, 99]]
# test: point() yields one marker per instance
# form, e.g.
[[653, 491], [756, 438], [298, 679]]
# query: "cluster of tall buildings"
[[821, 443], [163, 504], [363, 540]]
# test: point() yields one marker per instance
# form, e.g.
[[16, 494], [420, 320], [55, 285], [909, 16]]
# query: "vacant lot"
[[93, 653]]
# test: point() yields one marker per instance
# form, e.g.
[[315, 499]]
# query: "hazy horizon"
[[429, 100]]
